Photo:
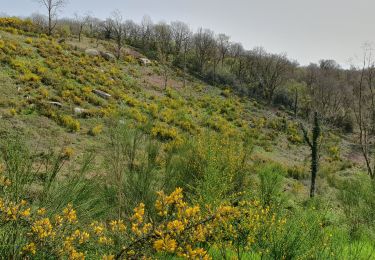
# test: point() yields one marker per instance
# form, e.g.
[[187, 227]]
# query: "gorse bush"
[[96, 130], [270, 185], [69, 122]]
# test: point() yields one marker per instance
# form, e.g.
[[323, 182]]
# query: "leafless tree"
[[163, 39], [223, 45], [364, 111], [270, 71], [204, 43], [118, 31], [146, 31], [39, 20], [53, 7], [237, 61], [328, 90], [132, 32], [94, 28], [80, 22], [181, 34]]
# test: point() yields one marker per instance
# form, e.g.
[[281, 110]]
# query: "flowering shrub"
[[137, 115], [69, 122], [180, 230], [30, 77], [96, 130], [16, 23], [334, 153], [165, 132], [293, 134], [67, 152]]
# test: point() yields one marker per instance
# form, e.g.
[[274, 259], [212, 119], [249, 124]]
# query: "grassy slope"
[[136, 91]]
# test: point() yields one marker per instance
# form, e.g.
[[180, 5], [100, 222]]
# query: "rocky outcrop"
[[107, 56], [101, 94], [92, 52]]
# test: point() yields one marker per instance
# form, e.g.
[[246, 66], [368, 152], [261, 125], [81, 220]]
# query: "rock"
[[101, 93], [92, 52], [79, 111], [108, 56], [54, 103], [144, 61]]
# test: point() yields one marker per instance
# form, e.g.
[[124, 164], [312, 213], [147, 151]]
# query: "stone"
[[101, 93], [79, 111], [108, 56], [54, 103], [92, 52], [144, 61]]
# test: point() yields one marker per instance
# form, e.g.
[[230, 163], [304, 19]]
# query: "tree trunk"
[[295, 103], [165, 77], [49, 23], [314, 146], [314, 154]]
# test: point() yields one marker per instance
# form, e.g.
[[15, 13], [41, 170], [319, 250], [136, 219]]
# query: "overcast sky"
[[307, 30]]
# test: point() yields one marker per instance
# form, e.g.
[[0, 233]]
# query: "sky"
[[306, 30]]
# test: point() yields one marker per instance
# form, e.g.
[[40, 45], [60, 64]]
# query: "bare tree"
[[146, 31], [223, 46], [181, 34], [106, 29], [118, 31], [216, 57], [364, 111], [80, 22], [39, 20], [163, 39], [53, 7], [237, 61], [204, 43], [270, 71], [94, 28]]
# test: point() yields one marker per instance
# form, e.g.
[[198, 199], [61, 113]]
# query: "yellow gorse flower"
[[165, 244], [43, 228], [30, 248], [70, 214]]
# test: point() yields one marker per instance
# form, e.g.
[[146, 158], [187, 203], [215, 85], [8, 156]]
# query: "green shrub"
[[271, 180], [70, 123], [298, 172], [357, 198], [96, 130]]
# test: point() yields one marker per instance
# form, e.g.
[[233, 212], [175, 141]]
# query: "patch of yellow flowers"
[[179, 230]]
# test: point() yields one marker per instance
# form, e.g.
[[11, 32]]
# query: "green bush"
[[271, 180]]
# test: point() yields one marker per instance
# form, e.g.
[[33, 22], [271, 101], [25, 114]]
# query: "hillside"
[[50, 87], [65, 99]]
